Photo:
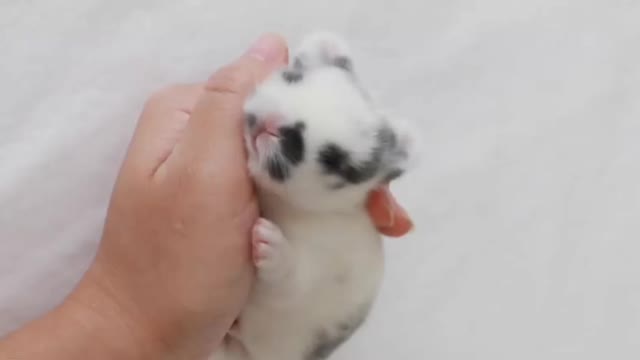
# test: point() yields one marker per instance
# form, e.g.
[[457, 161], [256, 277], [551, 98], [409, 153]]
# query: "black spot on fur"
[[328, 340], [382, 160], [298, 64], [292, 151], [325, 346], [392, 175], [278, 169], [292, 76], [292, 142], [251, 119], [394, 153], [387, 138], [337, 161], [344, 63]]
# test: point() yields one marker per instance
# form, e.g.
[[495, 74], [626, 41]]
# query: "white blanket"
[[527, 200]]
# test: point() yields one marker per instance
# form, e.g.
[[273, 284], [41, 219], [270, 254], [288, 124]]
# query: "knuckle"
[[231, 80], [161, 96]]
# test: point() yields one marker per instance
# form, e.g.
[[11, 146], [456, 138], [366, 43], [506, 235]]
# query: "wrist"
[[131, 330], [85, 326], [104, 323]]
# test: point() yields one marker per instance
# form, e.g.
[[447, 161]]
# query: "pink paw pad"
[[265, 240]]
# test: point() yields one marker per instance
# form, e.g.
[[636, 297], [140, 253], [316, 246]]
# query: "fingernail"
[[266, 48]]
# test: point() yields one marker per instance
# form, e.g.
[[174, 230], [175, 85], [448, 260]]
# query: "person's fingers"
[[388, 216], [215, 128], [164, 117]]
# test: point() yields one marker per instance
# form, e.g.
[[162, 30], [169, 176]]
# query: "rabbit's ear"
[[398, 148]]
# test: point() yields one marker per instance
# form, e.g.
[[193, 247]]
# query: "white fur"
[[333, 109], [322, 263]]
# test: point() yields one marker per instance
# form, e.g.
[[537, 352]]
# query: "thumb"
[[215, 126], [388, 216]]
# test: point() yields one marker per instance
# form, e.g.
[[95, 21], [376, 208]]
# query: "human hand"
[[174, 257]]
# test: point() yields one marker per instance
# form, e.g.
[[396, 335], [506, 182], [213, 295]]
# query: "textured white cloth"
[[527, 200]]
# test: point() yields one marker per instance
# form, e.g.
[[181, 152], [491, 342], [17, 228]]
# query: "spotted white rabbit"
[[317, 146]]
